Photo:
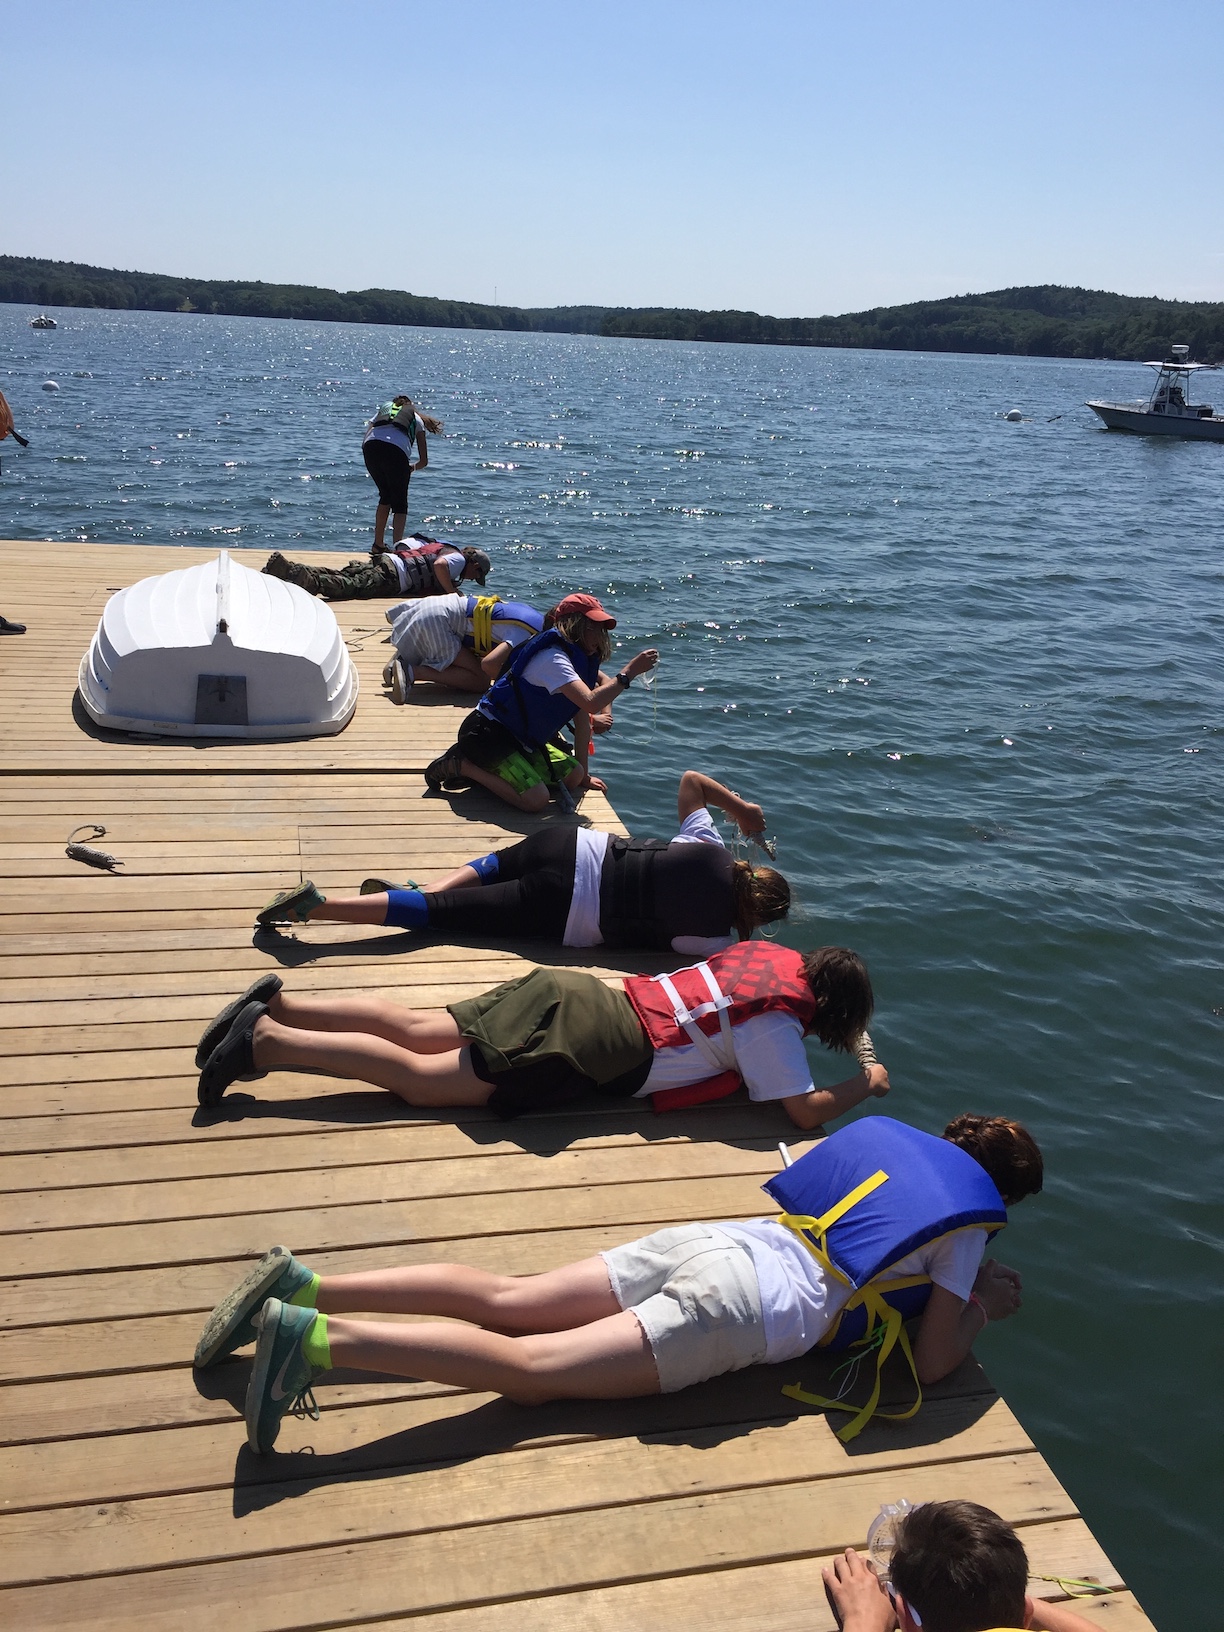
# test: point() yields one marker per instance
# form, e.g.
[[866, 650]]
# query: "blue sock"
[[485, 867], [406, 909]]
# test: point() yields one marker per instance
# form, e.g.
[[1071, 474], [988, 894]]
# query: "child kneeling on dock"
[[681, 1305], [956, 1567], [538, 1041]]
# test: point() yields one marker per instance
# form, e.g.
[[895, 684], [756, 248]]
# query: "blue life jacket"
[[862, 1200], [528, 712], [483, 639]]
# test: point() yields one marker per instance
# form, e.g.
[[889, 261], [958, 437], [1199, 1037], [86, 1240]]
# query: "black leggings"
[[391, 468], [531, 897]]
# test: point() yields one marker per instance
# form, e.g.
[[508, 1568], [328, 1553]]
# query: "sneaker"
[[233, 1059], [261, 991], [380, 886], [232, 1324], [389, 670], [446, 768], [403, 678], [297, 903], [282, 1375]]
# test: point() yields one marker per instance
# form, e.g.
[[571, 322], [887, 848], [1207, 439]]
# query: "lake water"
[[971, 668]]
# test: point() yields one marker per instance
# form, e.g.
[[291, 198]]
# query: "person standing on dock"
[[507, 745], [681, 1305], [387, 451], [579, 887]]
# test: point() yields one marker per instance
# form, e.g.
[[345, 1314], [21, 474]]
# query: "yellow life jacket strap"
[[894, 1333], [805, 1228], [482, 624]]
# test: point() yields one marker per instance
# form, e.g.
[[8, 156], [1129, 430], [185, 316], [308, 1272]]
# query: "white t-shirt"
[[395, 434], [582, 925], [798, 1304], [455, 565], [550, 669], [767, 1051]]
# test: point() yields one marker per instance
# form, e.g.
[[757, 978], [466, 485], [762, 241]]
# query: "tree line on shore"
[[1046, 320]]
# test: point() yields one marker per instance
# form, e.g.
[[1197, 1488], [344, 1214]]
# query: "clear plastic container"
[[882, 1536]]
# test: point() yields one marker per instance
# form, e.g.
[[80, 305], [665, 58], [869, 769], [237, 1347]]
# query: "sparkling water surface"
[[971, 668]]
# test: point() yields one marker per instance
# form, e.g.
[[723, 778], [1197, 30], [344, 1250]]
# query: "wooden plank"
[[583, 1549], [482, 1490]]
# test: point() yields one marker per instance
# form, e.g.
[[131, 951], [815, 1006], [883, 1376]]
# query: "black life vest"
[[418, 559], [650, 892]]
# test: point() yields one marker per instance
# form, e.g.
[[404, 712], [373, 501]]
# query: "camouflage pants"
[[357, 581]]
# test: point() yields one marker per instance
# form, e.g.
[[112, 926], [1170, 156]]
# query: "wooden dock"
[[130, 1500]]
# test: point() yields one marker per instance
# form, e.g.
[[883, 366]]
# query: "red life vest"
[[749, 978], [418, 557]]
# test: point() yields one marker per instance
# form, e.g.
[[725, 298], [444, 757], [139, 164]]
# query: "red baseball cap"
[[588, 606]]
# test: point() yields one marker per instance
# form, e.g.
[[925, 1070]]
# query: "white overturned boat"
[[218, 651], [1167, 411]]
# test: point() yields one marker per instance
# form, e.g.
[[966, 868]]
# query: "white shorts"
[[694, 1290]]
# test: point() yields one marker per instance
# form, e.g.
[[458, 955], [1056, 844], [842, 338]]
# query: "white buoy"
[[50, 385], [1013, 415]]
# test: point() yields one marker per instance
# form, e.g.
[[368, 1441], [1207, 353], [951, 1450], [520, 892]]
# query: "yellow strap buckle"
[[482, 624], [893, 1333]]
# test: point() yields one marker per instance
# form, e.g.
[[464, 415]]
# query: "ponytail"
[[760, 895]]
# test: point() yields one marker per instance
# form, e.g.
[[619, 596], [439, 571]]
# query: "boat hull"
[[1141, 423], [218, 650]]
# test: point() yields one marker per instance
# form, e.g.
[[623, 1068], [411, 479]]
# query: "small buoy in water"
[[50, 385], [1013, 415]]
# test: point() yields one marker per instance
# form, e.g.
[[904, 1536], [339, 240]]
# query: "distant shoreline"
[[1044, 320]]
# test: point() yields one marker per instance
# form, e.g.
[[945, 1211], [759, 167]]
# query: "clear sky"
[[792, 158]]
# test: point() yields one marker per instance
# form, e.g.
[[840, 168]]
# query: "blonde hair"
[[761, 896], [574, 626]]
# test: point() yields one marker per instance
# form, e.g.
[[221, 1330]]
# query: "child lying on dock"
[[578, 887], [537, 1041], [956, 1567], [876, 1203]]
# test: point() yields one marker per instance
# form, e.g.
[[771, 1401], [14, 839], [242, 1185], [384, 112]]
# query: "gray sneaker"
[[232, 1324], [281, 1375], [403, 678]]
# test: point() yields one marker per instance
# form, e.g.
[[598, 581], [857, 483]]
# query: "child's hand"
[[856, 1596]]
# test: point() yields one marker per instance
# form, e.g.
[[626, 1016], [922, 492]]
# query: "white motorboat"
[[218, 651], [42, 321], [1167, 412]]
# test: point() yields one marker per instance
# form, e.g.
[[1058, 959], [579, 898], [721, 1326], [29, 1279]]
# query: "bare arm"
[[950, 1325], [442, 573], [594, 702], [422, 451], [493, 662], [820, 1105], [698, 792], [1043, 1617]]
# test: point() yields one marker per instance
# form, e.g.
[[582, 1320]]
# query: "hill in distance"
[[1046, 320]]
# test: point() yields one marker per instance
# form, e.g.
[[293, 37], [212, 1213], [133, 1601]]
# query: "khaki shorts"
[[694, 1289]]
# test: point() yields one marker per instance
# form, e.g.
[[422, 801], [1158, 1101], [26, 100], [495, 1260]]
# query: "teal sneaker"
[[288, 905], [233, 1323], [282, 1375]]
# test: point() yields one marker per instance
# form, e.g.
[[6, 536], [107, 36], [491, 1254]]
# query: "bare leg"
[[350, 909], [419, 1079], [381, 516], [420, 1031], [398, 523], [553, 1302], [608, 1359], [461, 676], [463, 878]]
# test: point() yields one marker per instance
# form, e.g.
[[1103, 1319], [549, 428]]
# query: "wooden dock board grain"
[[130, 1500]]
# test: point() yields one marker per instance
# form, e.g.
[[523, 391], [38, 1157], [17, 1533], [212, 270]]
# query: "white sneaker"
[[402, 680], [389, 671]]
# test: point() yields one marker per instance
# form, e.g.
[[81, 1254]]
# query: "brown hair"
[[432, 425], [961, 1567], [844, 998], [1006, 1149], [761, 896], [574, 626]]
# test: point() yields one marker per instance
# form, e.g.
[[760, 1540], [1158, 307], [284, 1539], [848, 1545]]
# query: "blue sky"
[[790, 158]]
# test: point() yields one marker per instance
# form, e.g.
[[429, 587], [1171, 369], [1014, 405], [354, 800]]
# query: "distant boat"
[[218, 651], [42, 321], [1166, 412]]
